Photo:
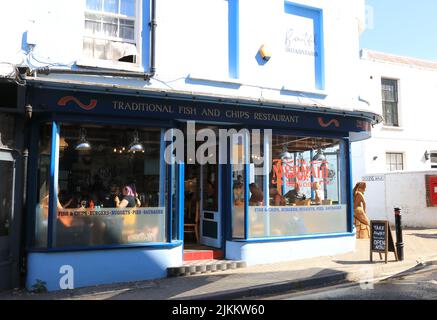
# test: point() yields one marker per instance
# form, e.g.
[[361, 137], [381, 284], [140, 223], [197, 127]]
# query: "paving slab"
[[420, 246]]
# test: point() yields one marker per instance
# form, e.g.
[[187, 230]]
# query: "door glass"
[[210, 187], [6, 174], [238, 177]]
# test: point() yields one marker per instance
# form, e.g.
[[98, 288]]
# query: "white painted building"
[[108, 75], [408, 142], [403, 149]]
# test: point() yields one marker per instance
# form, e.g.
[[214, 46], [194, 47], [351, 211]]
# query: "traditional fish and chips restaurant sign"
[[226, 112]]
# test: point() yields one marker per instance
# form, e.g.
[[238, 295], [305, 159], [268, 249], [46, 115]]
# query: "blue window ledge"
[[296, 238], [151, 246]]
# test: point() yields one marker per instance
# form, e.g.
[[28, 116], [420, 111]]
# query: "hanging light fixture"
[[136, 146], [320, 156], [285, 155], [83, 144]]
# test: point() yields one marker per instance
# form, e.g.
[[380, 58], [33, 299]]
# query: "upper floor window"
[[395, 161], [433, 157], [110, 30], [390, 102]]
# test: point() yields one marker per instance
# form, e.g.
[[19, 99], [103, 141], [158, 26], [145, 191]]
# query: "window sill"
[[304, 91], [224, 80], [108, 64], [392, 128]]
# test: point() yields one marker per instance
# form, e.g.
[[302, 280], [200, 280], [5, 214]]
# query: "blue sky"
[[403, 27]]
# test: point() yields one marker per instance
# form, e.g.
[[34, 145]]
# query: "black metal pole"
[[399, 239]]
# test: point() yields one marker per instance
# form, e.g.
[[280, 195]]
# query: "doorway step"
[[204, 266], [195, 252]]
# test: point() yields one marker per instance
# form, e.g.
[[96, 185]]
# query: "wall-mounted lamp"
[[265, 53], [426, 155]]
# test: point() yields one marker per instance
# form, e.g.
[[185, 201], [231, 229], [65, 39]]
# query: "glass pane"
[[111, 6], [94, 5], [92, 27], [305, 191], [127, 22], [7, 128], [127, 33], [389, 90], [388, 160], [109, 188], [43, 184], [6, 174], [210, 187], [110, 27], [238, 177], [127, 7]]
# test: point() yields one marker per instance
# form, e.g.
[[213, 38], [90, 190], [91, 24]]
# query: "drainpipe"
[[152, 25], [95, 71]]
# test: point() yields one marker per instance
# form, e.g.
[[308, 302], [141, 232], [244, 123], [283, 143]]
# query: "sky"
[[402, 27]]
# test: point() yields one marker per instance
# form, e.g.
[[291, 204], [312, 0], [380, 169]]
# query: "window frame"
[[389, 164], [345, 191], [55, 123], [115, 64], [393, 105], [433, 164]]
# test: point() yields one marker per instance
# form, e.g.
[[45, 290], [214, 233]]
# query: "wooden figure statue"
[[362, 223]]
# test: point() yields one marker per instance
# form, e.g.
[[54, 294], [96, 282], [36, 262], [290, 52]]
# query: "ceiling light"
[[83, 144], [136, 145]]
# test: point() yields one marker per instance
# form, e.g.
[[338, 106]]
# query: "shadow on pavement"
[[235, 286], [425, 236]]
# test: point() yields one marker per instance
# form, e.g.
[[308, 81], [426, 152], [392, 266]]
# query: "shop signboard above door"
[[64, 101]]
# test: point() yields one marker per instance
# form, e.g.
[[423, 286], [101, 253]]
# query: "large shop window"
[[112, 187], [301, 192]]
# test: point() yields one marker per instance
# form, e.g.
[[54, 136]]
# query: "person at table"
[[257, 196], [238, 194], [109, 198], [128, 200], [295, 195]]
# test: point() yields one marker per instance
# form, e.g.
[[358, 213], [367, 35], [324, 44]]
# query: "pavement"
[[420, 250]]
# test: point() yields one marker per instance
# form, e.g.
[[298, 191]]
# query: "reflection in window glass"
[[111, 6], [238, 183], [305, 194], [43, 187], [94, 5], [109, 186], [6, 174], [127, 7]]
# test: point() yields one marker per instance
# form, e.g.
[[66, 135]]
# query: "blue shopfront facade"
[[75, 240]]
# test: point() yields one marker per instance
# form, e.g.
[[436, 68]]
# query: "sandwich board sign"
[[381, 239]]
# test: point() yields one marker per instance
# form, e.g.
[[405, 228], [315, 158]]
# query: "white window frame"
[[433, 164], [397, 153], [398, 103], [113, 64]]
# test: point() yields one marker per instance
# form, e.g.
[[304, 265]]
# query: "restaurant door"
[[203, 209], [7, 175], [210, 205]]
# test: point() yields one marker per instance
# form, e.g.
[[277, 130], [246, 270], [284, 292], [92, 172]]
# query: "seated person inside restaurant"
[[257, 196], [238, 194], [295, 195], [276, 199]]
